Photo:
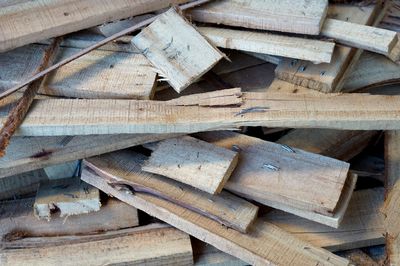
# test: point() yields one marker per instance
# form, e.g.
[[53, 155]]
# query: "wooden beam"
[[340, 144], [26, 154], [336, 111], [328, 77], [267, 173], [49, 18], [25, 183], [271, 44], [180, 56], [124, 167], [17, 219], [254, 247], [151, 245], [362, 224], [194, 162], [304, 17], [69, 196]]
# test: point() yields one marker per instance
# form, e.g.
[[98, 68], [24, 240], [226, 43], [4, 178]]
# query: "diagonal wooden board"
[[23, 22], [59, 117], [267, 173], [256, 247], [99, 74], [180, 54], [362, 225], [304, 17], [124, 168]]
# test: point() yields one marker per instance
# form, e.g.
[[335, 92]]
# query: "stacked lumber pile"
[[207, 132]]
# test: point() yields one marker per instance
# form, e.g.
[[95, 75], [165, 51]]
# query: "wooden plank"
[[267, 173], [340, 144], [150, 245], [271, 44], [24, 22], [99, 74], [17, 219], [63, 170], [68, 196], [390, 209], [304, 17], [360, 36], [21, 184], [180, 56], [337, 111], [328, 77], [30, 153], [254, 247], [362, 225], [194, 162], [124, 167]]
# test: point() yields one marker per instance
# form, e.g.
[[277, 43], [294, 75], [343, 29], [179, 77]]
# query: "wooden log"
[[362, 225], [99, 74], [304, 17], [124, 167], [26, 154], [17, 220], [178, 51], [268, 172], [18, 185], [151, 245], [69, 196], [336, 111], [328, 77], [194, 162], [254, 247], [49, 18], [271, 44], [340, 144]]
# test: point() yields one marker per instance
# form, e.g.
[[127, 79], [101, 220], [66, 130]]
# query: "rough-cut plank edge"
[[217, 235]]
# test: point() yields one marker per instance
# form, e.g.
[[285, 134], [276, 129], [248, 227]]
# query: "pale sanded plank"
[[99, 74], [268, 172], [338, 111], [339, 144], [68, 196], [194, 162], [360, 36], [151, 245], [362, 225], [254, 248], [214, 98], [328, 77], [30, 153], [178, 51], [17, 219], [20, 184], [24, 22], [297, 17], [124, 167], [271, 44]]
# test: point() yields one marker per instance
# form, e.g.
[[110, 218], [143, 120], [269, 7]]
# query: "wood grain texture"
[[15, 186], [328, 77], [194, 162], [305, 17], [99, 74], [268, 172], [254, 248], [150, 245], [360, 36], [24, 22], [60, 117], [30, 153], [124, 167], [362, 225], [271, 44], [177, 50], [340, 144], [17, 219]]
